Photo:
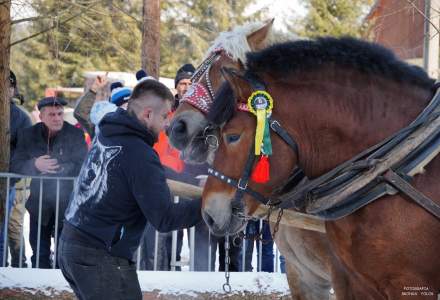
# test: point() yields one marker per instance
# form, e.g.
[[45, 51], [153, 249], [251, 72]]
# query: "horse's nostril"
[[208, 219]]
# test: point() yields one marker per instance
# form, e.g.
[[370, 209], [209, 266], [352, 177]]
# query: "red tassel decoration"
[[261, 170]]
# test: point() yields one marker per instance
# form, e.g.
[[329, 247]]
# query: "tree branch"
[[423, 15], [53, 26], [14, 22], [126, 13]]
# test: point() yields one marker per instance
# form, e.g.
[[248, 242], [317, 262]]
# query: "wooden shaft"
[[290, 217]]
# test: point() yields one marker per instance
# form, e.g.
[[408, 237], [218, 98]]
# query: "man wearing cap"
[[51, 148], [182, 82]]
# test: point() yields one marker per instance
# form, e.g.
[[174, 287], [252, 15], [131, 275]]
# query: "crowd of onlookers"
[[54, 148]]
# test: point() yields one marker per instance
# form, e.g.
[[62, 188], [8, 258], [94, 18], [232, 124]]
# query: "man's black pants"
[[94, 274]]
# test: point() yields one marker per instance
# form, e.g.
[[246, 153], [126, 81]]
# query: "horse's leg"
[[305, 285], [307, 262], [341, 281]]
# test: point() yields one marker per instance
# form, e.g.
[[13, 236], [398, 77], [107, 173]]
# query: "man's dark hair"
[[151, 86]]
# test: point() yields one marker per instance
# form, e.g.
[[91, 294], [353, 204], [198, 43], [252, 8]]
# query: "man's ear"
[[239, 84], [146, 113]]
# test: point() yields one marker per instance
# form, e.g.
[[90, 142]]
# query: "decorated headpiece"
[[198, 96]]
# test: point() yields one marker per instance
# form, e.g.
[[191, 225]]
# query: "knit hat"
[[12, 79], [119, 93], [141, 75], [185, 72]]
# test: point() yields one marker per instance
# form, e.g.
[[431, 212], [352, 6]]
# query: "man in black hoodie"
[[121, 186]]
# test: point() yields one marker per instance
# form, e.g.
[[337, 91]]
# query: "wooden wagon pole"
[[290, 217]]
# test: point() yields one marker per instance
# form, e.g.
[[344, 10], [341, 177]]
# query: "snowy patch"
[[51, 282]]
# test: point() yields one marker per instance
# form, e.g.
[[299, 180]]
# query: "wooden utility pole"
[[5, 39], [150, 56], [431, 38]]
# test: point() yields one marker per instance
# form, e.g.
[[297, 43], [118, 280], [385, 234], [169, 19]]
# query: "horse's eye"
[[232, 138]]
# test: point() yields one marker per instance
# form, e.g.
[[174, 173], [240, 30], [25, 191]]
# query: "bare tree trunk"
[[150, 56], [5, 39]]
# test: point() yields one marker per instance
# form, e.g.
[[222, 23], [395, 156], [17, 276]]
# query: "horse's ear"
[[256, 39], [240, 86]]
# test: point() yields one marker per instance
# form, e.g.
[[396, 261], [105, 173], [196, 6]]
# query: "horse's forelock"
[[235, 42], [223, 108]]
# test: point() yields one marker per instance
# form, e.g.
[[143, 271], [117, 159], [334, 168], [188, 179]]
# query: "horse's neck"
[[335, 117]]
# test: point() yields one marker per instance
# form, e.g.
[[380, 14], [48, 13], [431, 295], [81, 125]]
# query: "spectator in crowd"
[[182, 82], [90, 109], [85, 103], [121, 186], [119, 95], [18, 120], [51, 148], [252, 231]]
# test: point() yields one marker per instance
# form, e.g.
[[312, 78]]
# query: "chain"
[[259, 237], [227, 287], [277, 224]]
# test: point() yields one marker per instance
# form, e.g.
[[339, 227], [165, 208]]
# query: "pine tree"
[[335, 18], [99, 37]]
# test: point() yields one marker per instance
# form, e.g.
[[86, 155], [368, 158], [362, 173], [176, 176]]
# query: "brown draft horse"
[[337, 97], [306, 252]]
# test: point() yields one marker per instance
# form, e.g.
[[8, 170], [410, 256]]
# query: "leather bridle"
[[242, 184]]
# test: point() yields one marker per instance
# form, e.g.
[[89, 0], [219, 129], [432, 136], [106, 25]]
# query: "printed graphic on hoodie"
[[92, 180]]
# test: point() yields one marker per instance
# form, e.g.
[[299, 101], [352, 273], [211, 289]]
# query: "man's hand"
[[99, 83], [47, 165]]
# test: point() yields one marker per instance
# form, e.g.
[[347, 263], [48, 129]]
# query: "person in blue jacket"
[[120, 187]]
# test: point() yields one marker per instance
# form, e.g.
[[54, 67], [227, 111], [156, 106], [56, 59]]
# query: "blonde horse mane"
[[235, 42]]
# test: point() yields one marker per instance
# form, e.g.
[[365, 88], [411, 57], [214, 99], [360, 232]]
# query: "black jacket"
[[19, 120], [122, 185], [68, 147]]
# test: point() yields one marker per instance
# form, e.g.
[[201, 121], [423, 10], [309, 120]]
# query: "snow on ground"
[[188, 283]]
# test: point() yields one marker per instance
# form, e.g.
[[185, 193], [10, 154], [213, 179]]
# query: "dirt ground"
[[16, 294]]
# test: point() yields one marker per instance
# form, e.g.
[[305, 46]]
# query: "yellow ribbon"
[[259, 134], [261, 113]]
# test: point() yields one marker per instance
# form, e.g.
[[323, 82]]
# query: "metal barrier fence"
[[21, 191]]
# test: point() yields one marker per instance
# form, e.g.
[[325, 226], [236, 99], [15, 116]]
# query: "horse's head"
[[229, 199], [190, 130]]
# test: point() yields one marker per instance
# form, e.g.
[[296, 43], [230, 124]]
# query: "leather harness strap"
[[406, 188]]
